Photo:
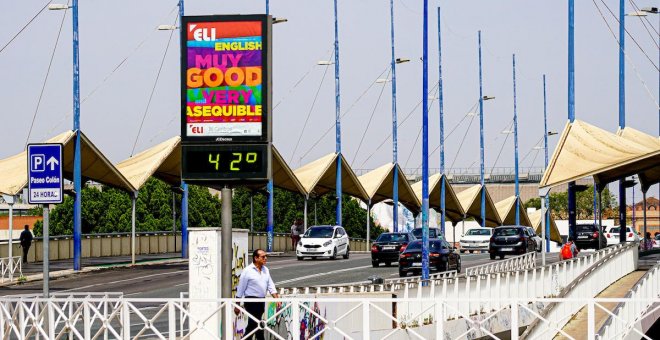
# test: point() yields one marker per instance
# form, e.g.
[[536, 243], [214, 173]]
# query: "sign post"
[[45, 187]]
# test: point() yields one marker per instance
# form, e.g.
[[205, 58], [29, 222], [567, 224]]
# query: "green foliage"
[[584, 202]]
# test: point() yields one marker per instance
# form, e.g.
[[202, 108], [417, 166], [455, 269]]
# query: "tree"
[[584, 204]]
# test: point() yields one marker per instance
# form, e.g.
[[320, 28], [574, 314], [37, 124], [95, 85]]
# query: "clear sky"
[[117, 93]]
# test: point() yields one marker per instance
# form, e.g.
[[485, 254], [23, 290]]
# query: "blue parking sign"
[[44, 173]]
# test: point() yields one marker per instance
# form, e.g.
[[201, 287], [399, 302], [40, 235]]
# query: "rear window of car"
[[319, 232], [417, 245], [585, 227], [392, 238], [507, 231], [417, 232], [615, 230], [478, 232]]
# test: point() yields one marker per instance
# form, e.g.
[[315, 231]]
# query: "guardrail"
[[644, 291], [356, 317], [9, 266], [522, 262], [593, 279]]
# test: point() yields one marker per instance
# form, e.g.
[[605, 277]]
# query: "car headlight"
[[327, 243]]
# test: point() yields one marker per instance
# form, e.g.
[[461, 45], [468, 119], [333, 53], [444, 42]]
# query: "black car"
[[388, 246], [433, 233], [511, 240], [589, 236], [441, 257]]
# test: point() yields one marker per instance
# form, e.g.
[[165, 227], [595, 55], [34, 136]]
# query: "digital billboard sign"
[[225, 79]]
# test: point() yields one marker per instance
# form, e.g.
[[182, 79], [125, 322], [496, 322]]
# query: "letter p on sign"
[[38, 163]]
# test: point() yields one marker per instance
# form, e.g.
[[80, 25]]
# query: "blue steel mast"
[[545, 141], [395, 179], [184, 185], [481, 140], [337, 122], [443, 213], [77, 180], [515, 142], [425, 146], [571, 109]]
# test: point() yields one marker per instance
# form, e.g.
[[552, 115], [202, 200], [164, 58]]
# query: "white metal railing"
[[9, 266], [645, 290], [365, 286], [286, 318], [593, 279], [522, 262]]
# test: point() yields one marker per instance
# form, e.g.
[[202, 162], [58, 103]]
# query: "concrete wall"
[[61, 248]]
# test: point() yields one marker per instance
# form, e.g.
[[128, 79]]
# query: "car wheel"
[[348, 251], [442, 267], [388, 264], [471, 251], [374, 264], [492, 256], [334, 254], [300, 258], [458, 264], [501, 256], [402, 273], [462, 251]]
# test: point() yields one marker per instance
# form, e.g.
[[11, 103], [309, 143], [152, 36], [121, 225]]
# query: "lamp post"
[[443, 202], [338, 191], [571, 108], [77, 178], [425, 146], [395, 177], [515, 141], [622, 115]]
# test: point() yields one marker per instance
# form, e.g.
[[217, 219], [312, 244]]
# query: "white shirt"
[[294, 230], [255, 283]]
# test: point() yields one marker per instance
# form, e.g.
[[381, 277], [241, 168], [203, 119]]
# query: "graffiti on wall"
[[239, 262], [309, 324]]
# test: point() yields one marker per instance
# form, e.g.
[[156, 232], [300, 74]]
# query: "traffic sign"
[[45, 173]]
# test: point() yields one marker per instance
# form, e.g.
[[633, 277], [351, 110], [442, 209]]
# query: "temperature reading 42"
[[225, 161]]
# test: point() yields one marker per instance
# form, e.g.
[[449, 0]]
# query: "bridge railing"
[[10, 266], [522, 262], [598, 275], [350, 317], [639, 307]]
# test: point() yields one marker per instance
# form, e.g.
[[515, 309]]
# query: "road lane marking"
[[320, 274], [125, 280]]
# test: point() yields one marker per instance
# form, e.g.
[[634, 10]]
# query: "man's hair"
[[27, 226], [255, 253]]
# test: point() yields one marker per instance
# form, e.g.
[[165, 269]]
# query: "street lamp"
[[401, 60], [325, 62]]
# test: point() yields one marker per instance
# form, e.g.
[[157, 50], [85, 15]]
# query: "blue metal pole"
[[622, 113], [425, 146], [395, 187], [545, 141], [515, 141], [571, 108], [269, 222], [184, 185], [77, 180], [443, 204], [184, 220], [481, 140], [267, 7], [337, 123]]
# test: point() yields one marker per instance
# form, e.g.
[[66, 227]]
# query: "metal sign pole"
[[45, 251], [226, 243]]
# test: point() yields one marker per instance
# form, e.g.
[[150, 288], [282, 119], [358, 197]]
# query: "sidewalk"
[[33, 271]]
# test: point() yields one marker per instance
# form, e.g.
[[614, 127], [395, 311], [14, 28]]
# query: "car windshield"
[[478, 232], [615, 230], [417, 232], [506, 231], [585, 227], [319, 232], [657, 237], [417, 245], [392, 238]]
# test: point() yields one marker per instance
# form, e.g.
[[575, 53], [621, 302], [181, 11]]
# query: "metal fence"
[[287, 318], [522, 262], [9, 266]]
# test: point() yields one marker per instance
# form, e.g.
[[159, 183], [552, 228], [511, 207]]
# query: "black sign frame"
[[192, 174]]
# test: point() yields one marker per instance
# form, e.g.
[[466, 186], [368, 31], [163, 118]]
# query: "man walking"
[[26, 242], [255, 282], [296, 231]]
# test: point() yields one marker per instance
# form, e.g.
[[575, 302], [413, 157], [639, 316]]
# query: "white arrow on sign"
[[52, 161]]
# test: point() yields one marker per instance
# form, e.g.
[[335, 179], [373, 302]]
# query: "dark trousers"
[[255, 309], [25, 253]]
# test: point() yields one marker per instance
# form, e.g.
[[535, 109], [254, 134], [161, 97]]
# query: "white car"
[[476, 239], [323, 241], [612, 235]]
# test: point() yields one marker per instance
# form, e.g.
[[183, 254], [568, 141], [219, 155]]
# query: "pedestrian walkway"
[[33, 271], [577, 326]]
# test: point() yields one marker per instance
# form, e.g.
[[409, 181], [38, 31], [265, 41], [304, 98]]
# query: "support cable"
[[309, 113], [43, 86], [508, 128], [357, 152], [153, 89], [419, 133], [24, 27], [296, 84], [646, 23]]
